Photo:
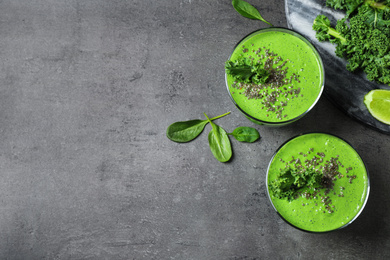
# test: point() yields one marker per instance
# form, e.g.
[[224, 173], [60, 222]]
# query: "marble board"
[[345, 89]]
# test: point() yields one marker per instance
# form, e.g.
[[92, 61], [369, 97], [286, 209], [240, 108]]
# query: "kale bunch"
[[362, 37], [290, 182]]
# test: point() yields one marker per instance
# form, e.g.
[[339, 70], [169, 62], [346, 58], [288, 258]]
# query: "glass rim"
[[326, 231], [315, 50]]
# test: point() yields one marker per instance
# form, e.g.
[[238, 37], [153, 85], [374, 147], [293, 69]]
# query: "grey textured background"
[[87, 91]]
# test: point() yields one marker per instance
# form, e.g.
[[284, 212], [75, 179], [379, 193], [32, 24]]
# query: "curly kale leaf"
[[290, 182], [245, 71], [373, 10], [324, 31], [349, 6], [375, 14], [379, 68]]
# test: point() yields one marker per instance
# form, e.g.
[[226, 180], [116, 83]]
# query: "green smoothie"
[[296, 82], [331, 206]]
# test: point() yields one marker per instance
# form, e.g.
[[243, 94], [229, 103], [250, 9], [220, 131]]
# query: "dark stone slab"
[[345, 89]]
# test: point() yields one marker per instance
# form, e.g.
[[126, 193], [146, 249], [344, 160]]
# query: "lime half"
[[377, 102]]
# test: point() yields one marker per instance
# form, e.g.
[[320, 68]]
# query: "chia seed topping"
[[330, 172], [277, 91]]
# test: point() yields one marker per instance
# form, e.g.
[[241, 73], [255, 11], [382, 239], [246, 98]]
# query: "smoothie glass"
[[304, 74], [321, 210]]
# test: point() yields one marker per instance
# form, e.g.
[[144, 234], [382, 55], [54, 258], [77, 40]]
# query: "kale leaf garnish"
[[290, 182], [246, 71]]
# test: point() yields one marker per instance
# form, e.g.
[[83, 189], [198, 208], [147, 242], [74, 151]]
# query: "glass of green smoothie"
[[317, 182], [274, 76]]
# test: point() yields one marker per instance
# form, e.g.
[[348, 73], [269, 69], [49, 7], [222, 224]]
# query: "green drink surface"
[[300, 59], [349, 193]]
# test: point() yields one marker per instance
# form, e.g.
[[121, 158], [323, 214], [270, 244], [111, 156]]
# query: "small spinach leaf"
[[245, 134], [185, 131], [247, 10], [219, 143]]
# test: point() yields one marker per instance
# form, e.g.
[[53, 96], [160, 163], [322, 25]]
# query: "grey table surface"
[[87, 91]]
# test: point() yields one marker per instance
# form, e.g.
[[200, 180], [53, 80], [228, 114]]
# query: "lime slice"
[[377, 102]]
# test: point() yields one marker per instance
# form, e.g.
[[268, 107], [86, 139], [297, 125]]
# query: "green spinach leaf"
[[245, 134], [219, 143], [247, 10], [186, 131]]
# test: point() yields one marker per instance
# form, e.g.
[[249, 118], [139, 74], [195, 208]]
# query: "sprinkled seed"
[[275, 101]]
